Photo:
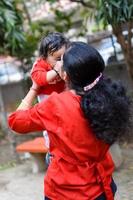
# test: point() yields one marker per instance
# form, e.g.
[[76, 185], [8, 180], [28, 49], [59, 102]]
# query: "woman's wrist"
[[34, 89], [27, 102]]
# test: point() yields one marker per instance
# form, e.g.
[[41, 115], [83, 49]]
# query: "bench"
[[37, 150]]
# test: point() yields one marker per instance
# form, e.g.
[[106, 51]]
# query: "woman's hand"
[[29, 98]]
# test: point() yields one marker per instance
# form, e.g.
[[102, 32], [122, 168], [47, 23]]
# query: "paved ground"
[[124, 176], [18, 183]]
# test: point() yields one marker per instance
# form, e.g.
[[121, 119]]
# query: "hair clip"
[[90, 86]]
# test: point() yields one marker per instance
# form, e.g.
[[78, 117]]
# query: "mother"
[[82, 123]]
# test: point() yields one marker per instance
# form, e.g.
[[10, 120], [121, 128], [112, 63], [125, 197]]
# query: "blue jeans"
[[48, 158], [46, 198], [102, 196], [113, 187]]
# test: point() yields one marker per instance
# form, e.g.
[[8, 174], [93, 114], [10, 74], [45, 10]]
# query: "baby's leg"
[[40, 98], [45, 134]]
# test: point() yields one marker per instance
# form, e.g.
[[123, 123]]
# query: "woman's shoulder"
[[64, 98], [66, 93], [59, 96]]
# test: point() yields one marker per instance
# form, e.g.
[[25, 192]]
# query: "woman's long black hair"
[[106, 106]]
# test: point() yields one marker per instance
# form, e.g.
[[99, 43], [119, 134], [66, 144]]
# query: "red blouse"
[[38, 74], [81, 167]]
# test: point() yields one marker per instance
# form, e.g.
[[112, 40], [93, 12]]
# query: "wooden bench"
[[38, 150]]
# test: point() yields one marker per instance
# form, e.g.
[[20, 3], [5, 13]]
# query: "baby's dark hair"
[[106, 105], [51, 43]]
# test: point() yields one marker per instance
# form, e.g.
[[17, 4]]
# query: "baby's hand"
[[58, 67]]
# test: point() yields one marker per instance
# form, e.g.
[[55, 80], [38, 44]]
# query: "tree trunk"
[[27, 13], [5, 129], [126, 46], [129, 61]]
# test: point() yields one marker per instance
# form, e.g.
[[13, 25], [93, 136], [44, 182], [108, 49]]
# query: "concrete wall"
[[13, 92], [119, 72]]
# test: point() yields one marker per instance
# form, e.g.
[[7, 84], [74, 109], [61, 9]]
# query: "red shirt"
[[38, 74], [81, 167]]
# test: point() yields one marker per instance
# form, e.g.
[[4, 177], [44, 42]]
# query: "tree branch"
[[83, 3], [129, 37], [117, 30], [26, 12]]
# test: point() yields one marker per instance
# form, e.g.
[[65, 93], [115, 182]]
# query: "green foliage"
[[74, 18], [11, 34], [52, 1], [115, 11], [13, 40], [63, 20], [30, 45]]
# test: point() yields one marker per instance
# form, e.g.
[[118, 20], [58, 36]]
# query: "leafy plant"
[[11, 34], [119, 14]]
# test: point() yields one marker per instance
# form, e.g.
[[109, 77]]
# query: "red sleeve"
[[39, 72], [43, 116]]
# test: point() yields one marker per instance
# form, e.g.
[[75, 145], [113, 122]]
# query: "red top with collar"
[[38, 74], [82, 167]]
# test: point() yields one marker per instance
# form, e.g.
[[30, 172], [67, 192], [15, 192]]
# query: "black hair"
[[83, 64], [106, 105], [51, 43]]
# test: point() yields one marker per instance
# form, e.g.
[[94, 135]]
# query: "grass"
[[8, 165]]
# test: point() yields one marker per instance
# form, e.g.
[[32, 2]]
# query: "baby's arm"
[[54, 73], [41, 76]]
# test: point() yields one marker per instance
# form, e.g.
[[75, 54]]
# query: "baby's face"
[[56, 56]]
